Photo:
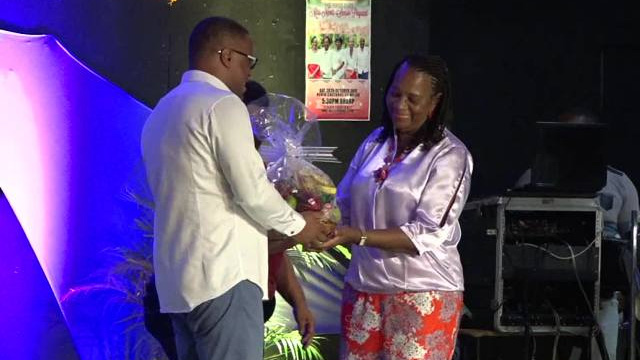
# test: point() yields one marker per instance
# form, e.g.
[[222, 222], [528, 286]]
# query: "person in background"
[[401, 199], [282, 276], [338, 60], [313, 60], [326, 58], [213, 202], [618, 198], [363, 55], [350, 56], [156, 323]]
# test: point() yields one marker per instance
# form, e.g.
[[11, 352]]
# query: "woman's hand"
[[393, 239], [343, 235]]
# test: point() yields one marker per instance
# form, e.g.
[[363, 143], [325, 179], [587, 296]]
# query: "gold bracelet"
[[363, 238]]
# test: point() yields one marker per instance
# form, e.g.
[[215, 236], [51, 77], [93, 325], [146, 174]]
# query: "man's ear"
[[225, 57]]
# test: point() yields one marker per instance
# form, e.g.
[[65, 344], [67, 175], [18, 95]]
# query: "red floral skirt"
[[404, 325]]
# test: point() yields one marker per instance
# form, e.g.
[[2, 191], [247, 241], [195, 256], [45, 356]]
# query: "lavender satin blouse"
[[424, 195]]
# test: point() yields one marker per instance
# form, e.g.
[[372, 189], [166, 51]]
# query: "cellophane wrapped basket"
[[290, 141]]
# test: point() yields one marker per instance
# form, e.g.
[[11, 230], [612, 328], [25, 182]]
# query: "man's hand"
[[342, 236], [306, 324], [279, 242], [313, 234]]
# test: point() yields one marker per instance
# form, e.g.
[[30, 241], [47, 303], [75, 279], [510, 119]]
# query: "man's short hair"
[[209, 35]]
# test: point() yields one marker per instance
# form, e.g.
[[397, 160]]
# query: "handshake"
[[318, 232]]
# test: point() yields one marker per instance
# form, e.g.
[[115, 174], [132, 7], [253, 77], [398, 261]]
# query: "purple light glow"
[[24, 167], [69, 143]]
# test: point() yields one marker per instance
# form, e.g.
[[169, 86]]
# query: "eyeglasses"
[[252, 59]]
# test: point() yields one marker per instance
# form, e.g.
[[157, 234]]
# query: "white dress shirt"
[[213, 201], [362, 59], [326, 61], [350, 57], [338, 57]]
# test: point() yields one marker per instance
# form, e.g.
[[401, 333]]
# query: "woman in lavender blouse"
[[401, 199]]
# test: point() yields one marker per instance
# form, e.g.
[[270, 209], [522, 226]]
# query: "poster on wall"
[[337, 59]]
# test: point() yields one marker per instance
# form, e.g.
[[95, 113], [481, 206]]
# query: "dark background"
[[512, 62], [519, 62]]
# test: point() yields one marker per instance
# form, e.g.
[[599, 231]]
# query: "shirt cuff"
[[294, 227], [426, 242]]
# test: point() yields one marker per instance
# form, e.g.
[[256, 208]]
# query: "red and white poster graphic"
[[338, 57]]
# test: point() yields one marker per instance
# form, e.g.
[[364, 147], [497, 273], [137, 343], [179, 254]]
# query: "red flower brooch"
[[382, 173]]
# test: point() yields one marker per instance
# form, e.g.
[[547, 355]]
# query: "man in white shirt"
[[362, 60], [326, 58], [350, 56], [338, 60], [213, 202]]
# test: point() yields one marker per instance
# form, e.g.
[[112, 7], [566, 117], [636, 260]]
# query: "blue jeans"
[[228, 327]]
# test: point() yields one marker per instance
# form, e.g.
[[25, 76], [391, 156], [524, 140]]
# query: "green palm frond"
[[130, 195], [123, 284], [285, 344], [344, 251], [303, 260]]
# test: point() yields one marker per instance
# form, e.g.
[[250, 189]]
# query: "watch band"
[[363, 238]]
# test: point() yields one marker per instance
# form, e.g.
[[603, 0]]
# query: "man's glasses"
[[252, 59]]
